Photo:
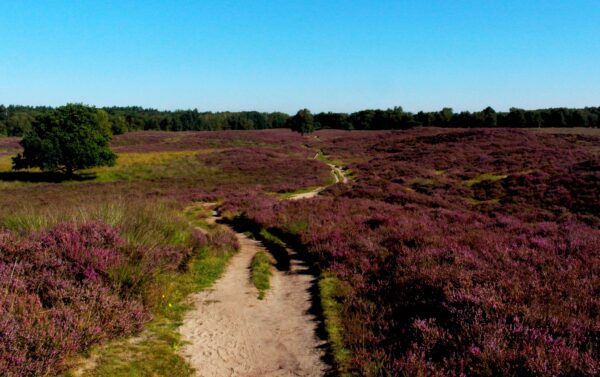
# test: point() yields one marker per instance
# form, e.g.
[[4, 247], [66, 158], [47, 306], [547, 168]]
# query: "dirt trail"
[[232, 333], [336, 171]]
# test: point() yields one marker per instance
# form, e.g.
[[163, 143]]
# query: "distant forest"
[[14, 120]]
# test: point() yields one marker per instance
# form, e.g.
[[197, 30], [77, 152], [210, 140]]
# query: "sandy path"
[[232, 333], [336, 171]]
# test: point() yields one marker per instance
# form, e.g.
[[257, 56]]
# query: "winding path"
[[229, 332], [336, 171]]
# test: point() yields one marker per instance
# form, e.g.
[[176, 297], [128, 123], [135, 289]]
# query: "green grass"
[[141, 222], [150, 165], [329, 290], [195, 214], [320, 156], [337, 175], [271, 238], [484, 177], [132, 166], [261, 273], [323, 157]]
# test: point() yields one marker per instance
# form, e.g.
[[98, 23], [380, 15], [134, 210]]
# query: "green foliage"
[[330, 292], [444, 116], [297, 227], [303, 122], [66, 139], [271, 238], [14, 120], [18, 123], [118, 125], [261, 273], [490, 117]]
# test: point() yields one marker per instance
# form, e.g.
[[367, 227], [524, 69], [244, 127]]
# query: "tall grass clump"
[[141, 222], [331, 294]]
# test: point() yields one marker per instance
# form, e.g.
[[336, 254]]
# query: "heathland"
[[437, 251]]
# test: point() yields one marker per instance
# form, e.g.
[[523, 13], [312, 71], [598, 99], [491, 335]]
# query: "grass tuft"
[[261, 273]]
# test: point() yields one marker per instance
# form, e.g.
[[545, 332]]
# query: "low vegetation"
[[450, 252], [434, 285], [331, 294], [155, 350], [86, 280], [261, 273], [113, 252]]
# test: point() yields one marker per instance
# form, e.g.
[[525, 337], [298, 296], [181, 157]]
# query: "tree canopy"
[[66, 139], [16, 120], [302, 122]]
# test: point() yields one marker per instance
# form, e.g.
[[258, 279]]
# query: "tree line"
[[15, 120], [396, 118]]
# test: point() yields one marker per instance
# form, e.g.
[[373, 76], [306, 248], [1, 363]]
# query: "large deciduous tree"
[[67, 139], [302, 122]]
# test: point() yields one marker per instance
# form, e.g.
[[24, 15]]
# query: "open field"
[[437, 251]]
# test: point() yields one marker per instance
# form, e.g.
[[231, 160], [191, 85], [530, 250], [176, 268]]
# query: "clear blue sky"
[[284, 55]]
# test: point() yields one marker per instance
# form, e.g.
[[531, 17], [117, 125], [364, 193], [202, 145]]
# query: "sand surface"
[[232, 333]]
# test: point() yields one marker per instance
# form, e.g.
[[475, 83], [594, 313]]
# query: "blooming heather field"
[[457, 252], [449, 252]]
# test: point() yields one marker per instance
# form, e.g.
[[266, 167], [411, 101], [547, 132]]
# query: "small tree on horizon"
[[302, 122], [67, 139]]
